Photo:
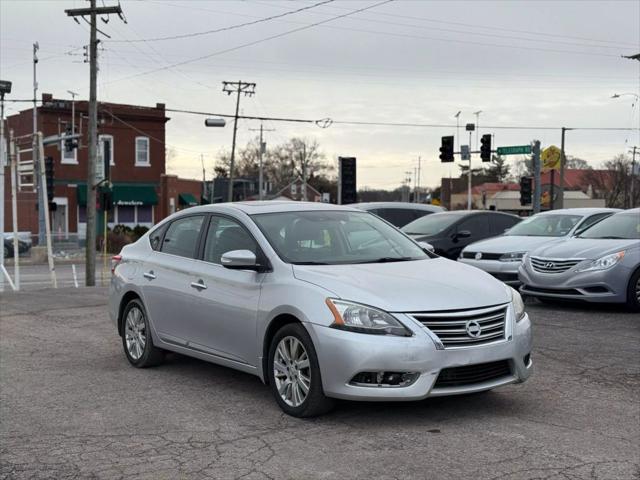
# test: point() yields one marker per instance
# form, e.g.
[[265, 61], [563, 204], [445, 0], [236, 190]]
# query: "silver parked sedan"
[[601, 264], [501, 256], [320, 302]]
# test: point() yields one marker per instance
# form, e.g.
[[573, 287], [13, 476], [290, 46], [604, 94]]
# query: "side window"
[[591, 220], [156, 236], [499, 223], [182, 236], [478, 225], [225, 235], [397, 216]]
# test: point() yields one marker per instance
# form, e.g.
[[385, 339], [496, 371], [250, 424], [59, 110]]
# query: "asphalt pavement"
[[72, 407]]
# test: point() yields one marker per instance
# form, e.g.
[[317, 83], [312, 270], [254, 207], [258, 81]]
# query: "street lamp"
[[618, 95], [632, 57]]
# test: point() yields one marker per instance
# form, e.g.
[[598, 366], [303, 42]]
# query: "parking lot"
[[72, 407]]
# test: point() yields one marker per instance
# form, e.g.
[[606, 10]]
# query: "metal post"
[[633, 169], [536, 166], [339, 200], [563, 161], [47, 222], [419, 182], [552, 188], [260, 174], [14, 208], [469, 175], [304, 172]]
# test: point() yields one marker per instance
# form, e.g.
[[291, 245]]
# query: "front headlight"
[[603, 263], [512, 257], [364, 319], [518, 304]]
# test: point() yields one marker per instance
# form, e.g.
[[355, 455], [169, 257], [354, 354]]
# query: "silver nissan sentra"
[[320, 302]]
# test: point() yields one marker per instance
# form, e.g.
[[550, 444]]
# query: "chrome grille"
[[551, 265], [451, 327]]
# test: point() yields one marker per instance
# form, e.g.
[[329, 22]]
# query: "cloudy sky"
[[523, 64]]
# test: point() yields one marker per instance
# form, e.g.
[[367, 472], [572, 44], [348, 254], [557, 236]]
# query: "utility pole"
[[537, 192], [477, 114], [261, 151], [563, 162], [90, 249], [633, 169], [5, 87], [419, 181], [34, 147], [73, 111], [238, 87]]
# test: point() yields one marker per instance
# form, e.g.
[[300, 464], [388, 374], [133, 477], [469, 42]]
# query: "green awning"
[[125, 195], [187, 199]]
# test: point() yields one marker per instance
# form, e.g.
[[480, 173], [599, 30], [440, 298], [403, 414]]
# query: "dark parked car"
[[398, 214], [450, 232], [8, 247]]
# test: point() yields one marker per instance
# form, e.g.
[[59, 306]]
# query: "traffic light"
[[49, 174], [446, 150], [485, 147], [526, 190], [106, 200], [348, 192], [70, 143]]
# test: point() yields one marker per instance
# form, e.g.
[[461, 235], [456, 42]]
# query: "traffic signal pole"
[[45, 209], [537, 190]]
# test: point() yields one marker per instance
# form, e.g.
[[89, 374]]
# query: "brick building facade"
[[133, 137]]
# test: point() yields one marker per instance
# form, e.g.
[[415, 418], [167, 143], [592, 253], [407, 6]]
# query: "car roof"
[[404, 205], [477, 212], [580, 211], [268, 206]]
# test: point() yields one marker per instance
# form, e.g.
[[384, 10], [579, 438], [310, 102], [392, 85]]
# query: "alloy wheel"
[[292, 371], [135, 333], [638, 290]]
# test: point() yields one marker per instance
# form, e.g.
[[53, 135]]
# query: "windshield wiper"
[[609, 237], [388, 260], [309, 263]]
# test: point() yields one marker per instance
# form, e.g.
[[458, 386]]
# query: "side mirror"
[[239, 260], [463, 234], [427, 247]]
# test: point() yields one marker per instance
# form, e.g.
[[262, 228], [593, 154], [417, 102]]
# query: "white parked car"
[[501, 256]]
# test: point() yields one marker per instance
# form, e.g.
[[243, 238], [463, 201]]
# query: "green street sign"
[[515, 150]]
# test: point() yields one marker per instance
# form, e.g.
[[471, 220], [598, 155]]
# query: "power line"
[[493, 28], [255, 42], [231, 27]]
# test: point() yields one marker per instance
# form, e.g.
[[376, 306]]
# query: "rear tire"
[[633, 292], [294, 374], [137, 340]]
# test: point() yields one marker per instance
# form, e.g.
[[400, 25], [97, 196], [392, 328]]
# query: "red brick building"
[[133, 137]]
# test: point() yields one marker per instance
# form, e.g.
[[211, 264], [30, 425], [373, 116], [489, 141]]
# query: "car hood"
[[421, 285], [510, 243], [584, 248]]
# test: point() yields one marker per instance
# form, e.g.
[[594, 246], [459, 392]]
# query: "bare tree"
[[613, 183]]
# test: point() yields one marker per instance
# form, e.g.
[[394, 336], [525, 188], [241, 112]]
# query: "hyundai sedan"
[[320, 302], [601, 264]]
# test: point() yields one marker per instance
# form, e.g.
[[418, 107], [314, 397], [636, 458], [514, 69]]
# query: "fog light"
[[384, 379]]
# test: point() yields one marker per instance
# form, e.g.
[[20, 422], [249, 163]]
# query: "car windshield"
[[335, 237], [545, 226], [623, 226], [431, 224]]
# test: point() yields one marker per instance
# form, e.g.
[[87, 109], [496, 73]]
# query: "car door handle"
[[150, 275], [199, 285]]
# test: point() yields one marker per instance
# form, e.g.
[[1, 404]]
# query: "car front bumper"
[[605, 286], [343, 354], [506, 272]]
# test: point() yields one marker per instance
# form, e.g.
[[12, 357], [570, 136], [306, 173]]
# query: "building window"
[[145, 214], [68, 157], [126, 214], [106, 147], [142, 151]]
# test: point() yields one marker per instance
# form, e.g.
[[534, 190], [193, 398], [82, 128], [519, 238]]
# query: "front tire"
[[136, 337], [294, 374], [633, 292]]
